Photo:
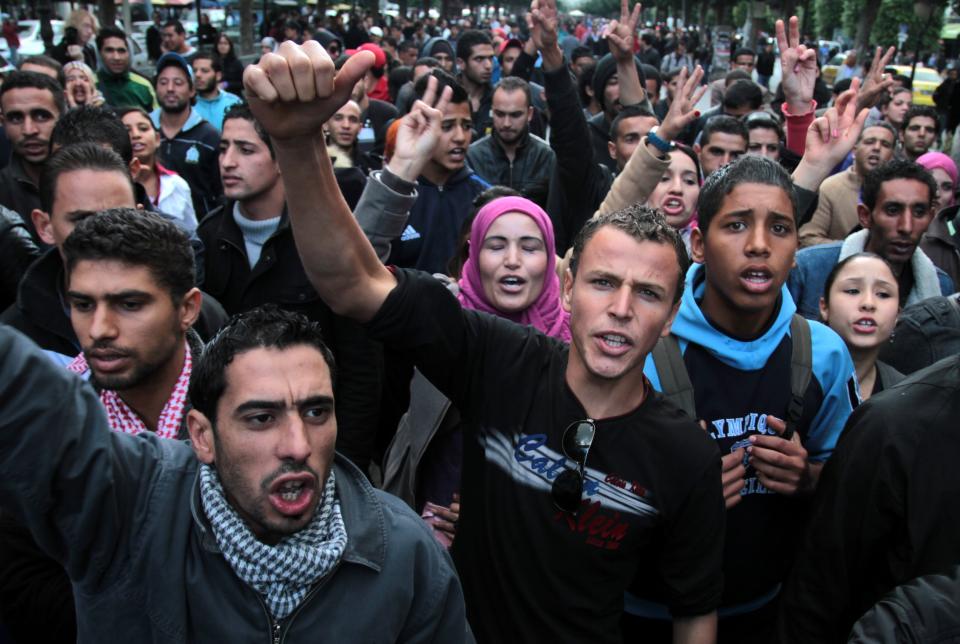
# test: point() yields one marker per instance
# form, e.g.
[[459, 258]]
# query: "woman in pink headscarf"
[[510, 269], [940, 241]]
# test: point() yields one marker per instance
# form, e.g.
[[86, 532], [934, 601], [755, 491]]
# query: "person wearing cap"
[[609, 82], [376, 35], [120, 86], [509, 52], [376, 80], [189, 145]]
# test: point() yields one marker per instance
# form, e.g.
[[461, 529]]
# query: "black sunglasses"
[[567, 490]]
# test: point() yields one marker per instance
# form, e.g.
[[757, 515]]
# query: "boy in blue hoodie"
[[733, 329]]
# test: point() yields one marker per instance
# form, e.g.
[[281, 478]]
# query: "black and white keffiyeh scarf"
[[284, 573]]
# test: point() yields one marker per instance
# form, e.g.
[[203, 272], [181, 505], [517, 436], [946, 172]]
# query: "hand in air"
[[294, 91]]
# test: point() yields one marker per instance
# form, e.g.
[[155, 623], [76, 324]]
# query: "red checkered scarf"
[[125, 420]]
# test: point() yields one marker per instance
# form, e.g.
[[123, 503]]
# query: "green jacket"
[[128, 89]]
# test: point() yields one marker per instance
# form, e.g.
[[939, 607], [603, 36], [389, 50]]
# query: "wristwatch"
[[664, 146]]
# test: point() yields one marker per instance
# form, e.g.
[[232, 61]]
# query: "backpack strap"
[[675, 383], [801, 370]]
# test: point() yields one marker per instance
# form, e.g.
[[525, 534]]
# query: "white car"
[[31, 44]]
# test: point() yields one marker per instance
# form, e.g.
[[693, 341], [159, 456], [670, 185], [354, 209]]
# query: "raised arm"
[[829, 139], [621, 37], [799, 68], [647, 165], [292, 93], [384, 207]]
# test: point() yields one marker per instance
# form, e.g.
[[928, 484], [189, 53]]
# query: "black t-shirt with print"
[[652, 499]]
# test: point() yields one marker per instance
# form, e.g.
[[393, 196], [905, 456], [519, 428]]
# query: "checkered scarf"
[[284, 573], [125, 420]]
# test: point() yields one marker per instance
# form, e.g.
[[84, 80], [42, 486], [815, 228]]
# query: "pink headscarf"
[[932, 160], [545, 313]]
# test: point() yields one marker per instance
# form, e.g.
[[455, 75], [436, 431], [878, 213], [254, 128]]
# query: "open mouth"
[[292, 495], [757, 280], [512, 283], [614, 344], [865, 325], [672, 206]]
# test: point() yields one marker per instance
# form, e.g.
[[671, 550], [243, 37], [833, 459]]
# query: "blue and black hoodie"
[[736, 384]]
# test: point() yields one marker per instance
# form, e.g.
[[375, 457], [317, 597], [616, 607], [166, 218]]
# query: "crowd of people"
[[452, 331]]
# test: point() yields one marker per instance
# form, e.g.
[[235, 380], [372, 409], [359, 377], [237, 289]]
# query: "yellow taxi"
[[925, 81]]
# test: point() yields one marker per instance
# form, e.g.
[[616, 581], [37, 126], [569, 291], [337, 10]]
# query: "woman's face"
[[677, 193], [223, 46], [266, 49], [143, 137], [85, 30], [897, 108], [945, 187], [513, 262], [864, 302], [79, 88]]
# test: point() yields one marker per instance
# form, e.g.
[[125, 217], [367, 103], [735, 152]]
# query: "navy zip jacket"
[[431, 237]]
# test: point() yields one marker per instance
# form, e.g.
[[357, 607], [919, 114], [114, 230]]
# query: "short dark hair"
[[747, 169], [580, 52], [763, 121], [725, 125], [515, 84], [742, 51], [735, 75], [842, 85], [89, 124], [427, 61], [647, 38], [407, 44], [212, 57], [470, 39], [50, 63], [110, 31], [643, 223], [445, 80], [77, 156], [177, 26], [138, 238], [904, 80], [266, 327], [743, 93], [652, 73], [890, 171], [832, 275], [35, 80], [628, 112], [673, 73], [242, 111], [886, 97], [886, 125], [921, 110]]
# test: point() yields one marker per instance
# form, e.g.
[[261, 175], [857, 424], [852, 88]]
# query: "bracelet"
[[660, 144]]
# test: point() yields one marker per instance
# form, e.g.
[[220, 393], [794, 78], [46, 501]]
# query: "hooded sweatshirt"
[[736, 384]]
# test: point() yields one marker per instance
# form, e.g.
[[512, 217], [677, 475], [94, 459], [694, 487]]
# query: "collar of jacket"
[[362, 513], [600, 123], [40, 296], [105, 75], [15, 168], [521, 147], [938, 227], [192, 121], [228, 230], [459, 176]]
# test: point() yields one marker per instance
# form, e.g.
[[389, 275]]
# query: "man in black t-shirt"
[[644, 482]]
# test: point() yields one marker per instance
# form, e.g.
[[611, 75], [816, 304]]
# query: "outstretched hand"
[[621, 34], [683, 110], [294, 91], [831, 137], [544, 20], [875, 82], [419, 132], [798, 65]]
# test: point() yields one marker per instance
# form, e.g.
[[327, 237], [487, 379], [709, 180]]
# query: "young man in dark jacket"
[[447, 189], [510, 155], [884, 513], [252, 260], [253, 530]]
